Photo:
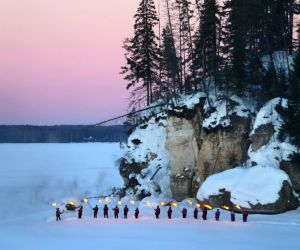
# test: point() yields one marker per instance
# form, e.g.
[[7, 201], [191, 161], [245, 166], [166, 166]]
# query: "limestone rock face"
[[292, 168], [183, 150], [262, 136], [223, 148]]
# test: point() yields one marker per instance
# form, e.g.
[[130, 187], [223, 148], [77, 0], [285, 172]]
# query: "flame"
[[119, 203], [132, 202], [148, 203], [85, 200], [107, 199], [207, 206], [54, 204], [71, 203], [162, 203], [225, 207], [174, 204], [238, 206], [100, 200], [198, 205], [189, 202]]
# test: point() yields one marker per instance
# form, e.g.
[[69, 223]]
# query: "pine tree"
[[292, 115], [205, 53], [170, 67], [142, 53]]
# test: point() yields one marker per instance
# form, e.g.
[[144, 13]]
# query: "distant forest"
[[62, 134]]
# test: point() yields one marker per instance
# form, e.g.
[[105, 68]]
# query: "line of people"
[[157, 212]]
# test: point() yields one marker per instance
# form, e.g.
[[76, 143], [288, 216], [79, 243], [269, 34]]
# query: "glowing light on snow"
[[198, 205], [162, 203], [132, 202], [119, 203], [85, 200], [107, 199], [148, 203], [100, 200]]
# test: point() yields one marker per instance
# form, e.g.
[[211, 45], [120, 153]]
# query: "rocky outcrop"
[[292, 168], [262, 136], [183, 150], [286, 202], [223, 148]]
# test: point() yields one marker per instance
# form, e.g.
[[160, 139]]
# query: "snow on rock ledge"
[[253, 188]]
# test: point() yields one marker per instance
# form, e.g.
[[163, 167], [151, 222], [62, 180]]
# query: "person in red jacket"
[[116, 212], [170, 213], [196, 213], [136, 213], [105, 211], [245, 216], [157, 212], [184, 213], [217, 215], [126, 210], [80, 210], [96, 211]]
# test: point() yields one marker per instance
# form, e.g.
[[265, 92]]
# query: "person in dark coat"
[[116, 212], [96, 211], [184, 213], [196, 213], [217, 215], [232, 216], [170, 213], [245, 216], [105, 211], [157, 212], [136, 213], [204, 213], [58, 213], [126, 210], [80, 210]]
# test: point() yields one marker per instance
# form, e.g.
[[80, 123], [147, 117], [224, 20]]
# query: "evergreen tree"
[[170, 67], [292, 115], [142, 53], [205, 54]]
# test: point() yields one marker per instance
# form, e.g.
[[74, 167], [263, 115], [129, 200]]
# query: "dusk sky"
[[60, 60]]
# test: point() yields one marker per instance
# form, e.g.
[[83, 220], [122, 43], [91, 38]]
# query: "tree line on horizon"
[[216, 47]]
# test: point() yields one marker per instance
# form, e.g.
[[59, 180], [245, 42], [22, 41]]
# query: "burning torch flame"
[[107, 199], [54, 204], [85, 200], [148, 203], [198, 205], [174, 204], [119, 203], [208, 206], [100, 200], [225, 207], [71, 203], [162, 203], [132, 202], [189, 202], [238, 206]]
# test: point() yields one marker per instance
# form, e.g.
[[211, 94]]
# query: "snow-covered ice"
[[28, 222]]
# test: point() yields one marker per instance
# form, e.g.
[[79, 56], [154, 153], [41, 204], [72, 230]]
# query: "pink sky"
[[60, 60]]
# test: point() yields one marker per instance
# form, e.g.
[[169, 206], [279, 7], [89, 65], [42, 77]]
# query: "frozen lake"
[[31, 175]]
